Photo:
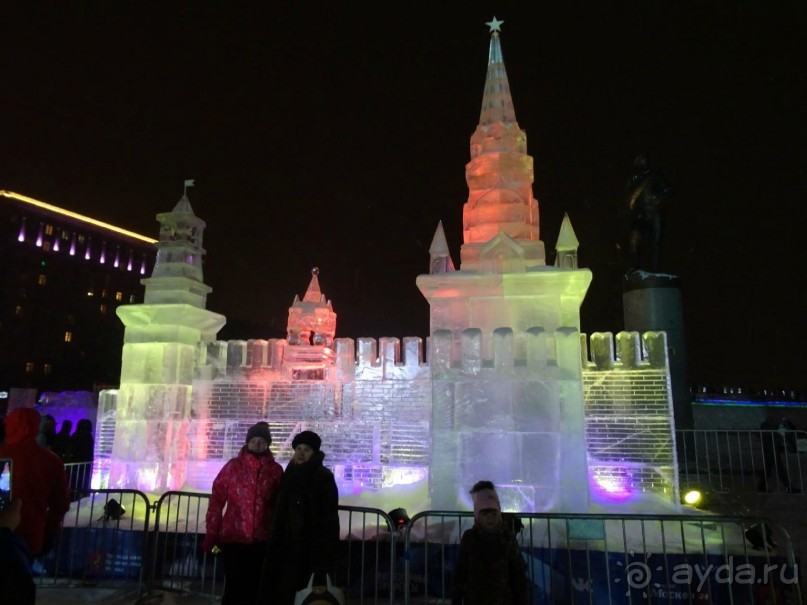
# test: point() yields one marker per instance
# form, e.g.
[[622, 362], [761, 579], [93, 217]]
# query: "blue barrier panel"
[[96, 553]]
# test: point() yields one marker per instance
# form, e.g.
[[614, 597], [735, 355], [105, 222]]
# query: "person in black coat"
[[305, 532]]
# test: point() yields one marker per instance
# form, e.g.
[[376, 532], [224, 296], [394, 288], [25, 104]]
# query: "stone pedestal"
[[653, 302]]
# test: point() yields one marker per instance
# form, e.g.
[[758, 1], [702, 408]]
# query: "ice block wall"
[[516, 421], [371, 408], [630, 430]]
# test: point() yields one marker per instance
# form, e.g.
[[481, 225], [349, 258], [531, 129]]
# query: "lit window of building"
[[46, 369], [68, 336], [18, 310], [103, 293], [131, 298], [46, 246], [42, 280], [48, 229], [29, 367], [103, 309], [118, 295], [90, 293]]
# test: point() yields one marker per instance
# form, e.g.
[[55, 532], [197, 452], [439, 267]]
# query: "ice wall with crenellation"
[[373, 406], [630, 431]]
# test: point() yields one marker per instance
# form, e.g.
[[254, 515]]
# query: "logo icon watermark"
[[639, 575]]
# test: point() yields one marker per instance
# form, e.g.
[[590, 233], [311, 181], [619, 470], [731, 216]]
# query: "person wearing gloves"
[[248, 485], [490, 569], [305, 532]]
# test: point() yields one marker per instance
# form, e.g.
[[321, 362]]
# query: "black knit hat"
[[260, 429], [310, 438]]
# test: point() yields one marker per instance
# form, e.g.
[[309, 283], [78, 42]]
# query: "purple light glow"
[[21, 236], [612, 484]]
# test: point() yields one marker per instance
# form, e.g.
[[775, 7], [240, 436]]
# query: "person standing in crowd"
[[248, 485], [490, 569], [61, 441], [305, 534], [778, 439], [38, 478], [82, 443], [47, 431], [81, 450]]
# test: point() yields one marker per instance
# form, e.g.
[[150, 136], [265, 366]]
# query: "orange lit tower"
[[507, 397], [500, 173]]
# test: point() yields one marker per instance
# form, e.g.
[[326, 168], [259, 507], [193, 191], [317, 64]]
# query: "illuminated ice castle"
[[506, 388]]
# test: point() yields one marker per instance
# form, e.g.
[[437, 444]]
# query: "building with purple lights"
[[63, 277]]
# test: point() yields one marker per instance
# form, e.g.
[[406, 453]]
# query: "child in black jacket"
[[490, 569]]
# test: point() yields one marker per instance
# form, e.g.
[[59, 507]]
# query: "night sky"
[[334, 135]]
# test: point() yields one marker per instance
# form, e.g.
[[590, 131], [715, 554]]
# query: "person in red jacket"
[[38, 479], [248, 485]]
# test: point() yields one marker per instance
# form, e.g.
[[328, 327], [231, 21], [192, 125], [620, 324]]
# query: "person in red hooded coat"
[[248, 485], [38, 479]]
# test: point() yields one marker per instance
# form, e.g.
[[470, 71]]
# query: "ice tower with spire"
[[507, 397], [163, 340]]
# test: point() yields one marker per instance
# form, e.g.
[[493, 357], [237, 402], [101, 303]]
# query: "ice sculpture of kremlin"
[[507, 389]]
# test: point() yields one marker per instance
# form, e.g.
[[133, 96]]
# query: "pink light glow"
[[73, 245], [56, 243], [39, 235], [613, 485], [87, 249], [21, 236], [103, 253], [143, 265], [129, 264], [117, 257]]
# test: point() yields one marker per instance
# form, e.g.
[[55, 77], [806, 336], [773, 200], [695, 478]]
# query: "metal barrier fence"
[[116, 538], [178, 563], [743, 461], [103, 541], [619, 560], [79, 477]]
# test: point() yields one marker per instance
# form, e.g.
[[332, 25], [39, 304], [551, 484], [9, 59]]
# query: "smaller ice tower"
[[310, 333], [164, 343]]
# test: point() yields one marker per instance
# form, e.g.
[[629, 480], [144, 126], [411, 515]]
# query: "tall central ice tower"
[[505, 334]]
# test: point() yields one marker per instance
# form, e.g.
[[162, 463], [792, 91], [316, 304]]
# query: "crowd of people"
[[70, 447]]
